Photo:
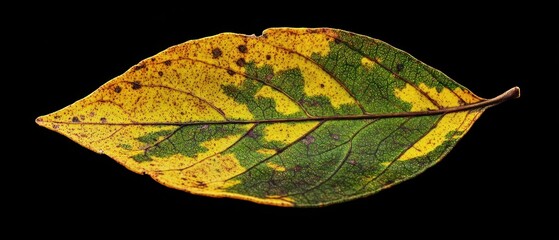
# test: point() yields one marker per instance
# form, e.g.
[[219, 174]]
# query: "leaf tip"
[[39, 121]]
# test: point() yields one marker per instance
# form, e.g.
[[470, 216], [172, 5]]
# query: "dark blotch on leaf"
[[268, 57], [240, 62], [216, 53], [167, 62], [399, 67], [118, 89], [251, 134], [242, 48], [321, 85], [337, 41], [136, 85], [160, 73], [138, 67], [230, 72], [75, 119], [103, 120]]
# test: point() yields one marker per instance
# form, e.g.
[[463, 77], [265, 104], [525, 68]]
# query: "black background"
[[499, 180]]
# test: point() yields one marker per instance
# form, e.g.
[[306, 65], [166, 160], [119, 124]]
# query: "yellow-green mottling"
[[295, 117]]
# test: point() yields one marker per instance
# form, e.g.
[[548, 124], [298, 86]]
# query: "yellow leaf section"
[[284, 105], [468, 122], [137, 96], [287, 133], [417, 97], [367, 63], [266, 151], [197, 79], [275, 166], [458, 121], [467, 96], [302, 40], [445, 98], [418, 101], [211, 178]]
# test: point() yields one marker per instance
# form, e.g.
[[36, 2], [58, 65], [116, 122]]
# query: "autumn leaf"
[[295, 117]]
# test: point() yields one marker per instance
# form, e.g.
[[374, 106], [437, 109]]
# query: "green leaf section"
[[343, 160], [184, 140]]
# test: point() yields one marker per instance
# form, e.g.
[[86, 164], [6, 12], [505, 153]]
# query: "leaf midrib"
[[509, 94]]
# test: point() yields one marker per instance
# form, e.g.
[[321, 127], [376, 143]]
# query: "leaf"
[[295, 117]]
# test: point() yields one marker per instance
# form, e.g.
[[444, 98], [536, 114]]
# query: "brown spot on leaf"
[[297, 168], [55, 126], [240, 62], [167, 62], [321, 85], [204, 127], [160, 73], [136, 85], [216, 53], [337, 41], [138, 67], [335, 136], [201, 184], [269, 77], [251, 134], [103, 120], [268, 57], [242, 48], [230, 72], [75, 119], [308, 140], [118, 89], [352, 162]]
